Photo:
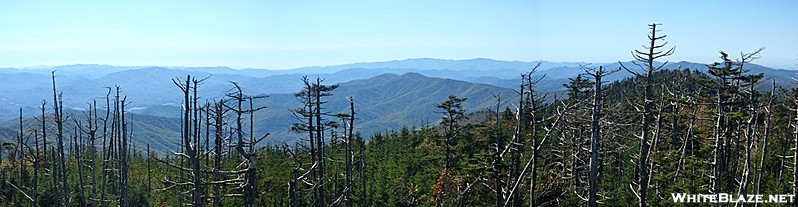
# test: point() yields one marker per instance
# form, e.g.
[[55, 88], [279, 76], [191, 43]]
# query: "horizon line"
[[39, 67]]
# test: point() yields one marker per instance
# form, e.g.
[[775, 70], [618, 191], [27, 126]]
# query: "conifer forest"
[[717, 128]]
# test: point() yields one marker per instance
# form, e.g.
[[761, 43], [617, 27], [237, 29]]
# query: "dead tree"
[[239, 182], [59, 122], [107, 149], [123, 154], [43, 120], [91, 131], [595, 140], [348, 120], [305, 116], [769, 112], [729, 81], [689, 134], [321, 91], [350, 152], [20, 158], [647, 58], [497, 158], [190, 149], [149, 173], [75, 152], [752, 81], [723, 73], [246, 148], [219, 124], [515, 145], [37, 160], [516, 181], [311, 122], [532, 105], [795, 145], [574, 139]]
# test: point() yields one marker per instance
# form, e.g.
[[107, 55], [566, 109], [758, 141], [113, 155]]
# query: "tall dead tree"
[[515, 145], [729, 84], [190, 149], [123, 151], [37, 161], [557, 118], [647, 57], [58, 117], [795, 145], [246, 147], [768, 117], [349, 122], [219, 113], [724, 74], [573, 139], [750, 134], [595, 140], [306, 124], [497, 157], [532, 102], [106, 145], [91, 131], [312, 122], [75, 152]]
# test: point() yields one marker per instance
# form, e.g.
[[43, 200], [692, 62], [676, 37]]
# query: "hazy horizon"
[[311, 66]]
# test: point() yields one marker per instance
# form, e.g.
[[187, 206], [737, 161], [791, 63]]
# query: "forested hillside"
[[386, 102], [626, 135]]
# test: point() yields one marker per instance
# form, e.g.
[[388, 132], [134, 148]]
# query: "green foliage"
[[406, 166]]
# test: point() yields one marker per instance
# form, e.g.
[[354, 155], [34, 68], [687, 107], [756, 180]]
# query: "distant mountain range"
[[388, 95], [382, 102]]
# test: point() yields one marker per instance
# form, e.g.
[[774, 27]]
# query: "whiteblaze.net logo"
[[729, 198]]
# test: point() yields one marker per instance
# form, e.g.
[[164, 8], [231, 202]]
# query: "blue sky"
[[288, 34]]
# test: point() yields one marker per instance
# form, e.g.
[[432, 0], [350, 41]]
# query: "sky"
[[289, 34]]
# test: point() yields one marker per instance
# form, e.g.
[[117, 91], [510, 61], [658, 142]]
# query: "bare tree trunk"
[[149, 173], [749, 138], [106, 148], [497, 157], [123, 157], [59, 121], [92, 132], [595, 140], [716, 187], [647, 58], [218, 144], [44, 133], [769, 111], [349, 152], [515, 151], [59, 196], [20, 158], [319, 140], [535, 146], [795, 151], [196, 193], [683, 148], [363, 194], [314, 155], [78, 158], [36, 165]]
